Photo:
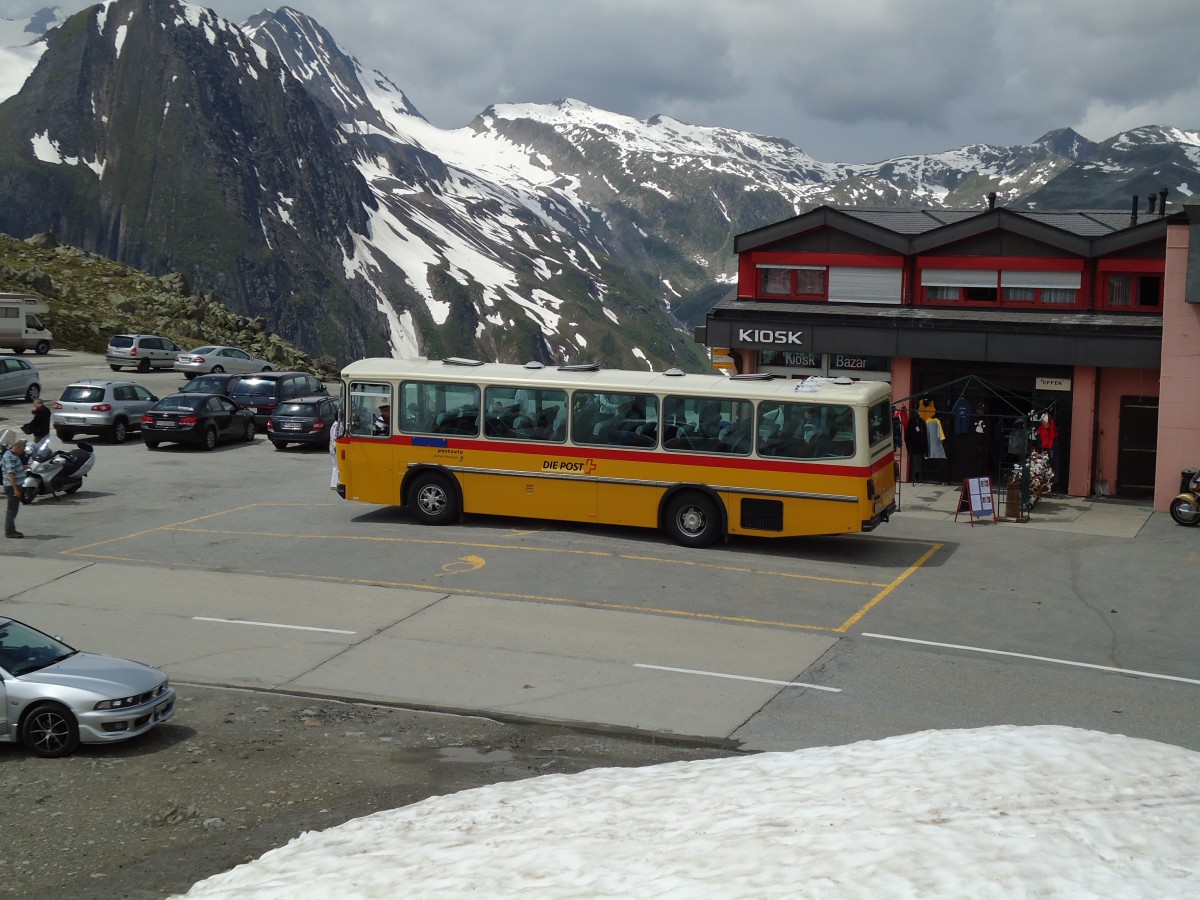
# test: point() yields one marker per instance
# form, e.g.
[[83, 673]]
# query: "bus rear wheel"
[[432, 499], [693, 520]]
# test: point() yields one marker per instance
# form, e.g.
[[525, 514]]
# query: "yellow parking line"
[[878, 598]]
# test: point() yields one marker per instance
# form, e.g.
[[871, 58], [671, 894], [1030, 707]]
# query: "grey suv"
[[108, 408], [141, 351]]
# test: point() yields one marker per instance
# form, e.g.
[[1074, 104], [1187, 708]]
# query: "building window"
[[806, 282], [965, 286], [1057, 296], [1020, 295], [1023, 287], [776, 281], [979, 294], [1027, 296], [810, 282], [942, 292], [1015, 287], [1133, 292]]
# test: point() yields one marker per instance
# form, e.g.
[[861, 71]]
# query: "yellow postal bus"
[[699, 456]]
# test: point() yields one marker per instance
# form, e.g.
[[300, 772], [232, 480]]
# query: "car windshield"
[[202, 350], [255, 387], [24, 649], [121, 340], [82, 393], [176, 404]]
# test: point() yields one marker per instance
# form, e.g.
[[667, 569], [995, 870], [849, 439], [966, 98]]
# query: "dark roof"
[[911, 221], [1083, 232]]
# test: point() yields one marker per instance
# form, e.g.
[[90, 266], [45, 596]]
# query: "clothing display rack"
[[971, 412]]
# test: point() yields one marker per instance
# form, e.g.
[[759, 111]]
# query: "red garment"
[[1047, 433]]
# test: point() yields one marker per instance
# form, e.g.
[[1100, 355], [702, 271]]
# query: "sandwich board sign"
[[976, 498]]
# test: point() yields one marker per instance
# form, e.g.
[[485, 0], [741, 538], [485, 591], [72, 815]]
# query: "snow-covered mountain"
[[267, 165]]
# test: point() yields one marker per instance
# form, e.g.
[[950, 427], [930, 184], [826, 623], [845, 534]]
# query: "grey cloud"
[[852, 81], [910, 63]]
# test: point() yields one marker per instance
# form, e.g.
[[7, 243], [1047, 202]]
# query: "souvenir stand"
[[969, 426]]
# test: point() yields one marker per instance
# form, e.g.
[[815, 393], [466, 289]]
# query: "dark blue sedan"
[[203, 419]]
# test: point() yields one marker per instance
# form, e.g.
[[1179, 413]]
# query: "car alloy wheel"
[[49, 731]]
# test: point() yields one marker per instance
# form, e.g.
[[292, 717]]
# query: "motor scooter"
[[1185, 508], [51, 471]]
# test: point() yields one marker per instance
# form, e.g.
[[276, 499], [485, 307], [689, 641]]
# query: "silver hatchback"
[[19, 380], [107, 408]]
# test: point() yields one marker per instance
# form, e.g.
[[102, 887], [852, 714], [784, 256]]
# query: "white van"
[[20, 328]]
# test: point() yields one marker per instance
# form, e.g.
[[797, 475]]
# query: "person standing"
[[12, 468], [335, 432], [39, 426]]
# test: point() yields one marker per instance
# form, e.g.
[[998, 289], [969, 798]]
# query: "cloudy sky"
[[853, 81]]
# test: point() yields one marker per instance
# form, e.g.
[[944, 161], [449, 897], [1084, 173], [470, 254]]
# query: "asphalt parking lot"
[[240, 567]]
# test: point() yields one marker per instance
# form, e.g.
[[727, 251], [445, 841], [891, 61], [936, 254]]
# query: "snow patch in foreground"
[[1000, 812]]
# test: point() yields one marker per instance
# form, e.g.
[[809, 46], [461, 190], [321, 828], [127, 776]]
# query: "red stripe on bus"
[[647, 456]]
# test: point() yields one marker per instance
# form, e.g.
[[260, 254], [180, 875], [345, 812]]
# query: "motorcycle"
[[1185, 508], [51, 471]]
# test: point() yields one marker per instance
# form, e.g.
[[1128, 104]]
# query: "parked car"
[[219, 359], [203, 419], [220, 383], [265, 391], [57, 697], [303, 420], [108, 408], [141, 351], [19, 380]]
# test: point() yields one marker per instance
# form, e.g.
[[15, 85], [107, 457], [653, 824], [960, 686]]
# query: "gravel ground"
[[237, 773]]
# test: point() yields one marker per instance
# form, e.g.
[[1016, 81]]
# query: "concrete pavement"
[[606, 668], [683, 677], [1102, 516]]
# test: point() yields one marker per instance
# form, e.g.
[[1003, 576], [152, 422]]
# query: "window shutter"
[[985, 278], [1065, 280], [864, 284]]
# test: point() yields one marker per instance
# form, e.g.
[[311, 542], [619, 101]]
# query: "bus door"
[[366, 465]]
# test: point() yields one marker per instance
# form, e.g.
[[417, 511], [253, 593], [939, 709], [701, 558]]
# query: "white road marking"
[[1049, 659], [271, 625], [799, 684]]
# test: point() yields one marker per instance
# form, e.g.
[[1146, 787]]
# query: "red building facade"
[[1023, 330]]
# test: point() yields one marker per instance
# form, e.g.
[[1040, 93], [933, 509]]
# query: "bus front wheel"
[[693, 520], [433, 500]]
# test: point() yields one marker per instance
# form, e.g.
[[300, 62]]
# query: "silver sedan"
[[203, 360], [54, 697]]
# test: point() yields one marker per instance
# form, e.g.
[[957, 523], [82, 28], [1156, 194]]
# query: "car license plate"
[[291, 426], [74, 420], [165, 423]]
